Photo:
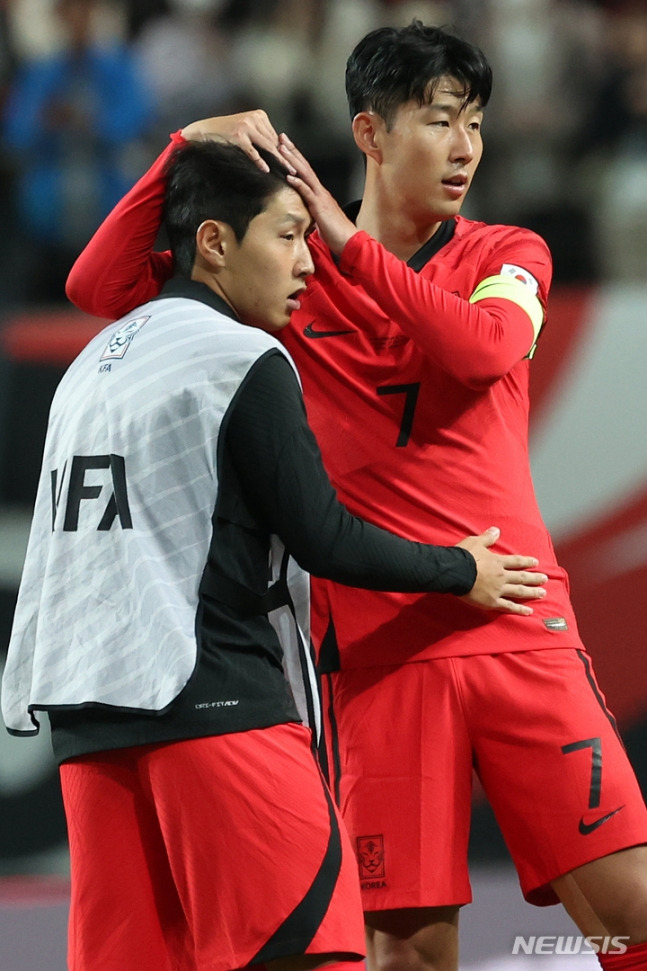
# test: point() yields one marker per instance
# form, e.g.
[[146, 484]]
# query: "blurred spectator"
[[566, 130], [138, 12], [186, 54], [293, 53], [545, 55], [614, 145], [7, 68], [7, 53], [70, 120]]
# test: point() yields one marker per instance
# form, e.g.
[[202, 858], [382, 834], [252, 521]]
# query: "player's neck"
[[387, 221]]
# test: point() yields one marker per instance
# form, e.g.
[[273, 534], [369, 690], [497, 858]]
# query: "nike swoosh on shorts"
[[587, 828]]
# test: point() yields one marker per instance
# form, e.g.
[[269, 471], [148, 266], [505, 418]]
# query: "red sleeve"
[[476, 343], [118, 269]]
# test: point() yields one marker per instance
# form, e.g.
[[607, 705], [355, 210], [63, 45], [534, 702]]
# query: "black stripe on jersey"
[[596, 691], [333, 774], [329, 659], [297, 931], [282, 583], [322, 750], [421, 257], [330, 735]]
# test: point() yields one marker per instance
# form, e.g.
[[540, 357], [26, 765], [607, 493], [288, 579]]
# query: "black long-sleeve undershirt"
[[271, 480], [280, 470]]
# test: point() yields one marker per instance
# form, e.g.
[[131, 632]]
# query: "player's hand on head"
[[502, 580], [248, 129], [332, 222]]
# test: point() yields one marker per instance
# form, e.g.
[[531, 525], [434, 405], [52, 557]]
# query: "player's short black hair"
[[214, 180], [391, 66]]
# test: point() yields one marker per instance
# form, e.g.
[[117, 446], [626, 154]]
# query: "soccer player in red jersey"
[[414, 342], [163, 613]]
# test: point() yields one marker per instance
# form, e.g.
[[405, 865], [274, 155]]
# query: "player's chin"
[[283, 319], [272, 323], [451, 208], [447, 207], [285, 316]]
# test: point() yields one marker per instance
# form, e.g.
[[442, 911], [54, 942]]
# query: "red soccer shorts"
[[401, 744], [208, 853]]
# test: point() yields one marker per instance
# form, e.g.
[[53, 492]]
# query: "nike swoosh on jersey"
[[587, 828], [310, 332]]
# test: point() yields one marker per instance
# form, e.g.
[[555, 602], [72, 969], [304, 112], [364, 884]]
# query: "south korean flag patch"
[[509, 269]]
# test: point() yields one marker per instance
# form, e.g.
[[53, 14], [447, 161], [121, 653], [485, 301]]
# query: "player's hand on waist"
[[502, 579]]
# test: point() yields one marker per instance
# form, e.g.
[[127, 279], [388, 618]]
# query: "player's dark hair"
[[214, 180], [391, 66]]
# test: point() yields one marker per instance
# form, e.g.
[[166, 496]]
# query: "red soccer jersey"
[[419, 401]]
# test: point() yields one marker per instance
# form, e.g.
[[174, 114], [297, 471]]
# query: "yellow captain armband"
[[507, 288]]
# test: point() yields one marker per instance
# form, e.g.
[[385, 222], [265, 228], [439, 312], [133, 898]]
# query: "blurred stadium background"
[[566, 155]]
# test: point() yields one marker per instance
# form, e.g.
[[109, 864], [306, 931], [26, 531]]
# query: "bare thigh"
[[609, 895], [415, 939]]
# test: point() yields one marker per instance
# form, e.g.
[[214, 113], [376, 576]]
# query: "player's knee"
[[609, 894], [415, 939], [629, 919], [405, 956]]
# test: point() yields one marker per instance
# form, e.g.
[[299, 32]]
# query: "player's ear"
[[367, 128], [212, 241]]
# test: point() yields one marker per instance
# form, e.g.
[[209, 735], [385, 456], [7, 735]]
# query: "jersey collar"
[[179, 286], [422, 256]]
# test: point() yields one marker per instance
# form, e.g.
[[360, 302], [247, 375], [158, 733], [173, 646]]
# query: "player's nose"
[[304, 265], [462, 146]]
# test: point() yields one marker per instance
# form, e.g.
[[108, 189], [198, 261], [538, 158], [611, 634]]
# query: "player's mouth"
[[293, 300], [456, 185]]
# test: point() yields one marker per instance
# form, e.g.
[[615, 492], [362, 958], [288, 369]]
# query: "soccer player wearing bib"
[[162, 621], [414, 343]]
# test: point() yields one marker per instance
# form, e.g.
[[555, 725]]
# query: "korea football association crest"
[[122, 339], [370, 856]]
